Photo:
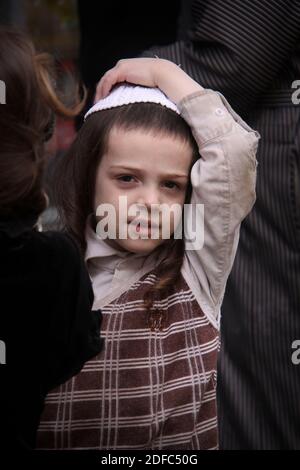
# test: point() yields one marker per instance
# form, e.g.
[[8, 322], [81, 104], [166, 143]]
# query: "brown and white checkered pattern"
[[146, 389]]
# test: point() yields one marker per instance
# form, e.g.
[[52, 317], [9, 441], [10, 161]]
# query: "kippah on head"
[[127, 94]]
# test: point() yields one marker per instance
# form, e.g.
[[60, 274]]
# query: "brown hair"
[[76, 174], [26, 120]]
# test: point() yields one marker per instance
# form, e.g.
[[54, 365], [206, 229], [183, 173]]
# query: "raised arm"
[[223, 179]]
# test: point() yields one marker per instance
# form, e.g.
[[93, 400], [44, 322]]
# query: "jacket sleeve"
[[223, 184], [235, 46]]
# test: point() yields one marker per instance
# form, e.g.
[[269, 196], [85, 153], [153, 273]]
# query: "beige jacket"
[[223, 180]]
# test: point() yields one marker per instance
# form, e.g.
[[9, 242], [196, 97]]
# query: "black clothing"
[[46, 324]]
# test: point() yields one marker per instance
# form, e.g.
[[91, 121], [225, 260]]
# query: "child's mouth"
[[145, 226]]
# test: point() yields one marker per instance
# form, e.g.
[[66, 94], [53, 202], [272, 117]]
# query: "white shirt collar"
[[113, 271], [99, 248]]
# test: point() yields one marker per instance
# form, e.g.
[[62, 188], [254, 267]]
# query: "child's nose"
[[149, 196]]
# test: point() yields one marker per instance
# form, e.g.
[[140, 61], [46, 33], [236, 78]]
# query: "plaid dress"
[[152, 387]]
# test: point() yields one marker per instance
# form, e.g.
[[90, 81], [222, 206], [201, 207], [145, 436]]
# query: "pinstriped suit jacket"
[[249, 51]]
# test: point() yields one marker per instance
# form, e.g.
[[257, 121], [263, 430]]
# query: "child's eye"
[[172, 185], [125, 178]]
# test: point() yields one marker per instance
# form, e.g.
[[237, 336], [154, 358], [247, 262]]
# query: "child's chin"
[[140, 246]]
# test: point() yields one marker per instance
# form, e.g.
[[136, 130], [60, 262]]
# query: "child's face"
[[148, 170]]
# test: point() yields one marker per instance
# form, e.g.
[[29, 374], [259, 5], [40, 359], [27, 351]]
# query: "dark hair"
[[76, 173], [26, 120]]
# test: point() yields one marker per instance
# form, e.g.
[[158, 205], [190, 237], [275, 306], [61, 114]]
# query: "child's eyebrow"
[[140, 170]]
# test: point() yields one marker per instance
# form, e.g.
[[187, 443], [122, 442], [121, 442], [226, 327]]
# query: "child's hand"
[[160, 73]]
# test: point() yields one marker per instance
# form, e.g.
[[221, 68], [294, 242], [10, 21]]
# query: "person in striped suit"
[[249, 51]]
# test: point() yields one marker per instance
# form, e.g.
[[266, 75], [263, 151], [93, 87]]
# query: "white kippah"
[[126, 94]]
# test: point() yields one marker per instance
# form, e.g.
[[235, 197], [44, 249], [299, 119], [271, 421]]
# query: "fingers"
[[121, 72], [105, 84], [140, 71]]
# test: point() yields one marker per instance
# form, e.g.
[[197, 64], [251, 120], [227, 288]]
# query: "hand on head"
[[160, 73]]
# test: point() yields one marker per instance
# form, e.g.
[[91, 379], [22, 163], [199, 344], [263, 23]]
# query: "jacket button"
[[219, 112]]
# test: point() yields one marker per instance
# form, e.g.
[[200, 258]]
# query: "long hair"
[[76, 174], [26, 122]]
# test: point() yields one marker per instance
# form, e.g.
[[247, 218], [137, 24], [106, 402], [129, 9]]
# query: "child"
[[47, 328], [154, 386]]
